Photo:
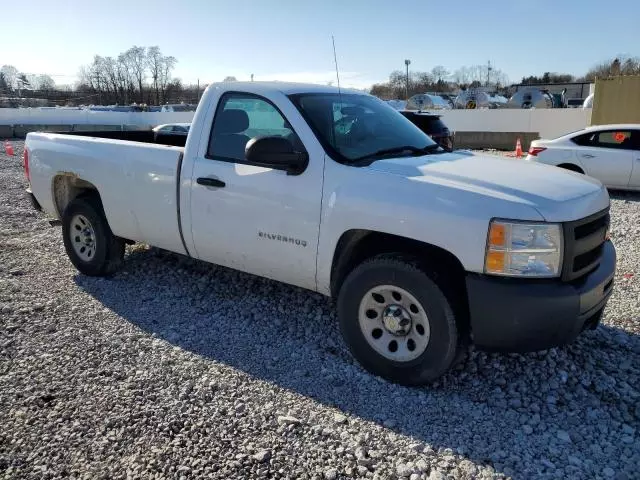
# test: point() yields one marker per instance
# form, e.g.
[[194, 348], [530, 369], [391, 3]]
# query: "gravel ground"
[[175, 368]]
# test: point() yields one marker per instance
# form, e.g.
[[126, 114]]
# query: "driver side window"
[[241, 117]]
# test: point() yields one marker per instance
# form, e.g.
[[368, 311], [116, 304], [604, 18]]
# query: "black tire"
[[109, 249], [443, 349]]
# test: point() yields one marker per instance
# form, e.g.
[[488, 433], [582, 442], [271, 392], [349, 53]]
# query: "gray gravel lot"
[[179, 369]]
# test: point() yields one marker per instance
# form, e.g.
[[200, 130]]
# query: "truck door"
[[251, 218]]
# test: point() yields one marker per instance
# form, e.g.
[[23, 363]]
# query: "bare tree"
[[230, 79], [97, 75], [154, 62], [167, 65], [23, 82], [160, 68], [137, 60], [95, 78], [109, 69], [10, 75], [122, 79], [4, 86], [462, 76], [84, 76], [477, 75], [419, 82], [621, 65], [173, 89], [439, 73], [631, 66], [41, 82], [500, 78], [126, 78]]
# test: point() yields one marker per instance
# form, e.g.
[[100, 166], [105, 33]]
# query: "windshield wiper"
[[390, 151]]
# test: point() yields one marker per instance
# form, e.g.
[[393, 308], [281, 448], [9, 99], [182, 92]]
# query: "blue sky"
[[291, 39]]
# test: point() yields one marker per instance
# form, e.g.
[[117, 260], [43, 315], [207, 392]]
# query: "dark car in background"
[[431, 124], [173, 128]]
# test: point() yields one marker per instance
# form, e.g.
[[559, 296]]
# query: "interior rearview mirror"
[[276, 152]]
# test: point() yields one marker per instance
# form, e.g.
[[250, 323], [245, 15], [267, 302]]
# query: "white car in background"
[[609, 153]]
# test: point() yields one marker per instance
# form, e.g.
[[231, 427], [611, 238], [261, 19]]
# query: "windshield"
[[351, 126]]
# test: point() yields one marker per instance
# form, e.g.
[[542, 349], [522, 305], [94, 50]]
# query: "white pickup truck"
[[335, 191]]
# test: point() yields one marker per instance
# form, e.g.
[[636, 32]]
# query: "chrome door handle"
[[587, 155]]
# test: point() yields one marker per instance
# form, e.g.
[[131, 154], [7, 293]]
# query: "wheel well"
[[67, 187], [572, 167], [356, 246]]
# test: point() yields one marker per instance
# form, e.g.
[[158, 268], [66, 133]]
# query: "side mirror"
[[276, 152]]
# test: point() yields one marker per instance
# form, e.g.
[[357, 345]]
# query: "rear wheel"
[[397, 321], [90, 244]]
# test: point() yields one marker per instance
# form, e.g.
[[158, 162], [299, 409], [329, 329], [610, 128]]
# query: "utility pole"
[[198, 92], [252, 77], [407, 63], [488, 71]]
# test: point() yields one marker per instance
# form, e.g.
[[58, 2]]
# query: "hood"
[[557, 194]]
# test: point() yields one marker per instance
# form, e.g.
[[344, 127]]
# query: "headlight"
[[523, 249]]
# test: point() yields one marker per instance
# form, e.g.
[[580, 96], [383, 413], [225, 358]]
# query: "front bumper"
[[517, 315]]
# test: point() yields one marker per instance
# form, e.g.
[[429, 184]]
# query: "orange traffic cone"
[[8, 148], [518, 148]]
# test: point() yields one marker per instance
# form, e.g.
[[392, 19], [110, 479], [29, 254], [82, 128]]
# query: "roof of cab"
[[288, 88]]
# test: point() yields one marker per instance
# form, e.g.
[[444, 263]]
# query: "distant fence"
[[546, 122], [482, 128]]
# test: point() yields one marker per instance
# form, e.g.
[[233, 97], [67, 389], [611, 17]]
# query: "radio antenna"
[[335, 60]]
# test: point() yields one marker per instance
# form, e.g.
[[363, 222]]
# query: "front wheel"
[[397, 321], [90, 244]]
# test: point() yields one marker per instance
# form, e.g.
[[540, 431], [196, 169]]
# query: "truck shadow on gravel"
[[522, 414]]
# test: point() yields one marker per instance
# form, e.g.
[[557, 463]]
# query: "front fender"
[[452, 219]]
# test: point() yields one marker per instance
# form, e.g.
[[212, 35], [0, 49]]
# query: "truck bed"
[[141, 136], [135, 172]]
